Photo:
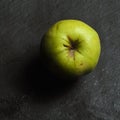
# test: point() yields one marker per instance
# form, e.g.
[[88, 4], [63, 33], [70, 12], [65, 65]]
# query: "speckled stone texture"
[[28, 91]]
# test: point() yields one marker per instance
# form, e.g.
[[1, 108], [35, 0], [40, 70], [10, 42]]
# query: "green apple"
[[70, 47]]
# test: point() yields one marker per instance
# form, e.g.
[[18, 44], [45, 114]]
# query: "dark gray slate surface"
[[23, 95]]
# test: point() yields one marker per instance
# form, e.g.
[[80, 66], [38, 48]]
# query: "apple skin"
[[70, 48]]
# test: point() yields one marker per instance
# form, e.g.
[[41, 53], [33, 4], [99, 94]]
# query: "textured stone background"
[[24, 95]]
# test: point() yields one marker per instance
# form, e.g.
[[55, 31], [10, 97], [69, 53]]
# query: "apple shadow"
[[39, 82]]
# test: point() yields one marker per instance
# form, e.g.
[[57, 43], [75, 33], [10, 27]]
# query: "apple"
[[70, 48]]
